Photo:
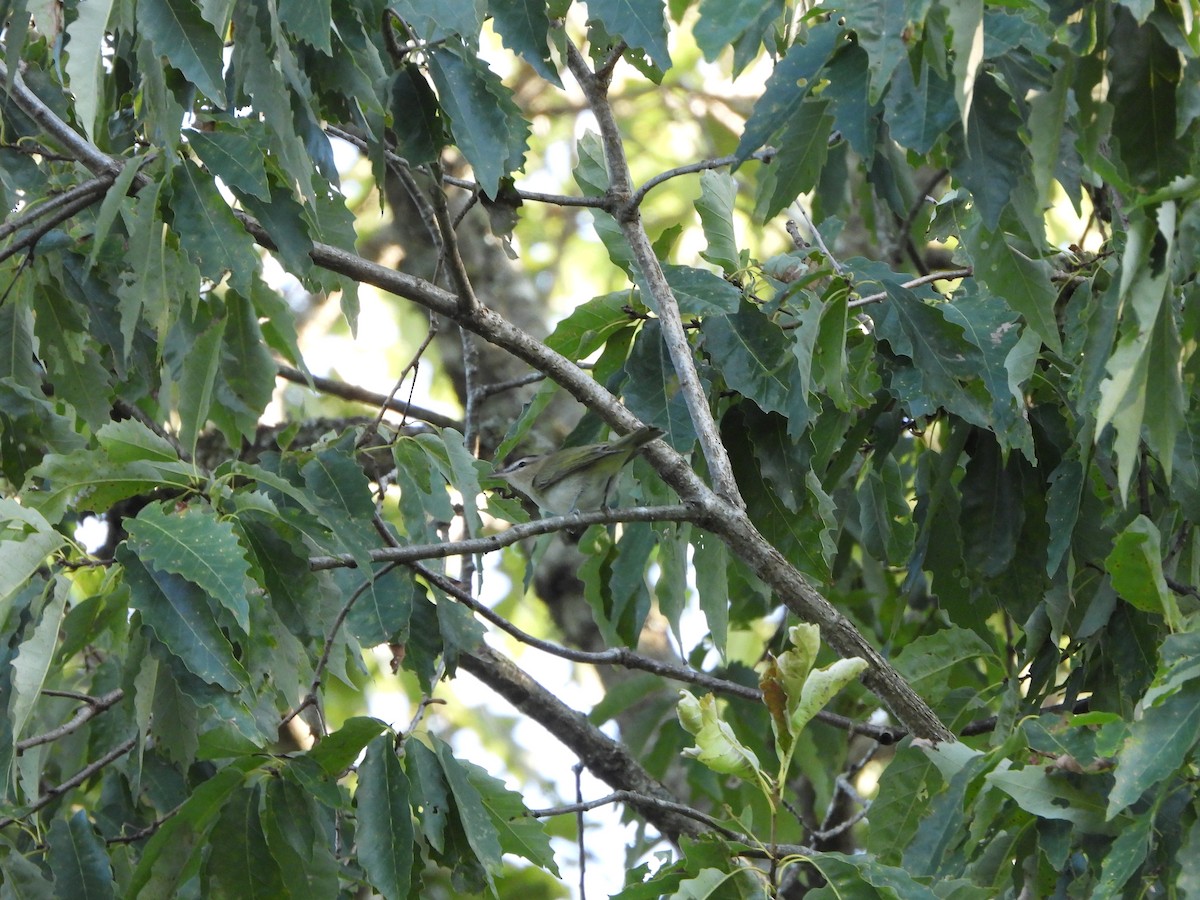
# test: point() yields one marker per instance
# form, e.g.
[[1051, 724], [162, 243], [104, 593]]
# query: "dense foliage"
[[918, 315]]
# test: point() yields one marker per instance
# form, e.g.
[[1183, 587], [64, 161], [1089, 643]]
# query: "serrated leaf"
[[487, 125], [382, 611], [1135, 566], [640, 22], [590, 325], [79, 859], [21, 556], [518, 832], [431, 793], [208, 229], [757, 363], [522, 26], [292, 822], [930, 661], [179, 33], [796, 168], [131, 439], [1047, 797], [234, 157], [787, 88], [413, 102], [652, 390], [712, 585], [169, 851], [32, 663], [308, 20], [722, 22], [991, 158], [87, 480], [477, 825], [196, 545], [699, 292], [1023, 283], [385, 831], [240, 863], [919, 109], [85, 43], [179, 614]]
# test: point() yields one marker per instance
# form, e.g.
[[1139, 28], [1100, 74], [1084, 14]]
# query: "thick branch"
[[674, 335], [607, 759]]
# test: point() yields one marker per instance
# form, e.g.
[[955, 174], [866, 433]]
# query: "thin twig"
[[75, 780], [92, 708], [766, 154], [816, 236], [361, 395], [965, 272], [634, 797], [491, 543], [312, 697], [413, 366], [90, 189]]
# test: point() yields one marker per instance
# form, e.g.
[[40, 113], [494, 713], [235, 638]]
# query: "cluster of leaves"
[[992, 473]]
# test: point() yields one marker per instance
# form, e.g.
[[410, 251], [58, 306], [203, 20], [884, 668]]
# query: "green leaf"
[[718, 191], [1023, 283], [131, 439], [32, 662], [920, 107], [385, 830], [309, 20], [208, 229], [991, 157], [1142, 357], [757, 363], [640, 22], [717, 746], [476, 823], [279, 552], [487, 124], [197, 545], [931, 662], [518, 832], [87, 480], [876, 25], [1048, 797], [723, 21], [240, 863], [79, 859], [993, 510], [796, 168], [190, 44], [966, 43], [652, 389], [171, 850], [1157, 746], [431, 793], [180, 615], [522, 26], [85, 44], [1126, 855], [336, 751], [787, 88], [21, 556], [383, 610], [590, 325], [1135, 566], [235, 157], [701, 293], [712, 585], [413, 102], [293, 824]]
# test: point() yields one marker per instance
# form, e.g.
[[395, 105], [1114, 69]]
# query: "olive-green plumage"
[[575, 478]]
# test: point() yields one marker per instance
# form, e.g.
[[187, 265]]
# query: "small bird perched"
[[575, 478]]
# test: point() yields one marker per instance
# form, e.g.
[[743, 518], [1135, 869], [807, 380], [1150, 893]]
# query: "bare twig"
[[92, 708], [361, 395], [91, 189], [766, 154], [491, 543], [965, 272]]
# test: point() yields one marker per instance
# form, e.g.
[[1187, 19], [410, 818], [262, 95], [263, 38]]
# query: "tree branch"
[[93, 706], [608, 760], [489, 544], [353, 392], [674, 335], [75, 780], [723, 517]]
